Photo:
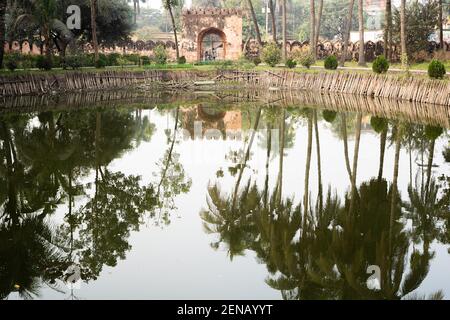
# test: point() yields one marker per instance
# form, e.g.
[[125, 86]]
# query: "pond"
[[213, 195]]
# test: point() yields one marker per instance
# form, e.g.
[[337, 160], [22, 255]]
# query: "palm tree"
[[347, 30], [43, 14], [2, 30], [362, 58], [403, 34], [169, 5], [255, 22]]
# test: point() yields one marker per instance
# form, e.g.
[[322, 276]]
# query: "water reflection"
[[316, 240]]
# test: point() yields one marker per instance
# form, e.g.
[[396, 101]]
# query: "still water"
[[223, 196]]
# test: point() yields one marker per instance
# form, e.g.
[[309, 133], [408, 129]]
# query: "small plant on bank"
[[257, 61], [305, 58], [145, 60], [160, 54], [73, 62], [291, 63], [380, 65], [271, 54], [11, 65], [102, 62], [331, 63], [43, 63], [436, 69], [181, 60]]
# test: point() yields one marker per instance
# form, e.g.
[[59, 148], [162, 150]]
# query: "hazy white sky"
[[156, 4]]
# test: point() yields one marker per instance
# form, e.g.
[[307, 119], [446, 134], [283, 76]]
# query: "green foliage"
[[101, 62], [331, 63], [432, 132], [257, 61], [134, 58], [113, 59], [160, 55], [290, 63], [12, 61], [436, 69], [329, 115], [74, 62], [305, 58], [380, 65], [44, 63], [181, 60], [271, 54], [146, 60], [378, 124], [421, 22]]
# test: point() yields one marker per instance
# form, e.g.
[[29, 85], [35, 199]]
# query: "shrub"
[[331, 63], [380, 65], [133, 58], [101, 62], [160, 54], [74, 62], [432, 132], [329, 115], [146, 60], [113, 59], [181, 60], [257, 61], [271, 54], [291, 63], [436, 70], [43, 63], [305, 58], [11, 64]]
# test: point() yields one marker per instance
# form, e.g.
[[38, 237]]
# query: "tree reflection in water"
[[323, 251], [46, 162]]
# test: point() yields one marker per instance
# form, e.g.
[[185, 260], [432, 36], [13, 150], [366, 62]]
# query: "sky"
[[156, 4]]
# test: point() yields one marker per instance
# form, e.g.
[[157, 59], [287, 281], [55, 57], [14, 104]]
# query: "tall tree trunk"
[[383, 137], [344, 138], [362, 58], [307, 168], [94, 28], [284, 31], [429, 166], [174, 26], [312, 29], [269, 149], [2, 30], [246, 157], [280, 163], [355, 160], [318, 24], [255, 22], [347, 30], [388, 30], [274, 23], [398, 132], [403, 34], [440, 25], [319, 165]]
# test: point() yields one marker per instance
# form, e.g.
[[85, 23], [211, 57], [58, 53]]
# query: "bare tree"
[[441, 30], [274, 23], [169, 5]]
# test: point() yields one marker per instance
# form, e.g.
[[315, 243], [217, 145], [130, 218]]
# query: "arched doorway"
[[211, 45]]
